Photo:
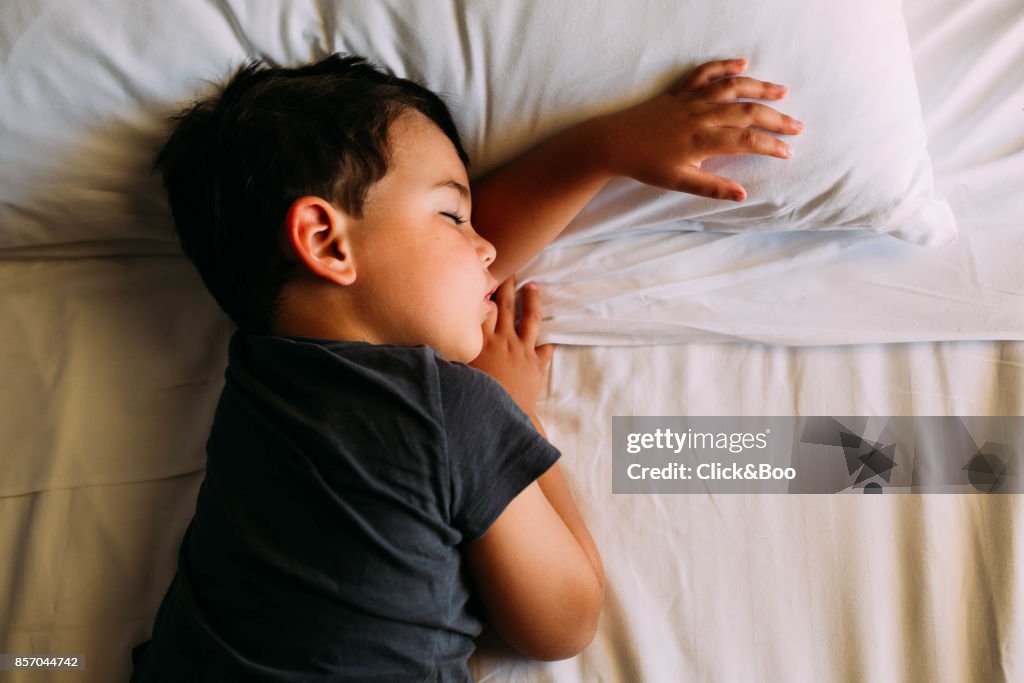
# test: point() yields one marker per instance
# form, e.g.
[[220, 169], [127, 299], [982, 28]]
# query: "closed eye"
[[459, 220]]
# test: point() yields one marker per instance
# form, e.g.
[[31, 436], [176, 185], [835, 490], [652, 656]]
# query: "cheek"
[[457, 263]]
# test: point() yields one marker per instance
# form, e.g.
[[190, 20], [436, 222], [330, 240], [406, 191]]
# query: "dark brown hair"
[[236, 161]]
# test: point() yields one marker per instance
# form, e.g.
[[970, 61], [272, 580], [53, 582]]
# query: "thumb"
[[695, 181], [490, 324]]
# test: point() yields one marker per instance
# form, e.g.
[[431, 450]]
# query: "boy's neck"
[[307, 312]]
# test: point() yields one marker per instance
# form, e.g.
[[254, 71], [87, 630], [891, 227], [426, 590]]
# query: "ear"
[[316, 235]]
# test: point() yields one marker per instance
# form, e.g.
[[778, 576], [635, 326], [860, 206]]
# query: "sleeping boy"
[[377, 478]]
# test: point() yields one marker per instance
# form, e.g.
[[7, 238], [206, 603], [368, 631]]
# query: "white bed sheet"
[[791, 588], [709, 588]]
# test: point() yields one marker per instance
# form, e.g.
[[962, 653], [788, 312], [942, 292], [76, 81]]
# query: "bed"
[[113, 353]]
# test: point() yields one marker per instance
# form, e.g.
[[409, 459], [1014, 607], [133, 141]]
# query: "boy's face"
[[421, 275]]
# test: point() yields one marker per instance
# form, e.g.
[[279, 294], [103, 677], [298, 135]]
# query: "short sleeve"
[[494, 451]]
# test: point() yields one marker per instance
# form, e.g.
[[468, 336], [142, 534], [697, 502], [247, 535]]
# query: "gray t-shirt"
[[341, 480]]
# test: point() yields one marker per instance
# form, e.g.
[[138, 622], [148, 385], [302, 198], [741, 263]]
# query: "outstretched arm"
[[525, 204]]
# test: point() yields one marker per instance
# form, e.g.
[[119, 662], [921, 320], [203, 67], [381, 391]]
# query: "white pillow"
[[88, 85], [518, 72], [862, 160]]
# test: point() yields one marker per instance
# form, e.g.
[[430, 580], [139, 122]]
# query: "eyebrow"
[[455, 185]]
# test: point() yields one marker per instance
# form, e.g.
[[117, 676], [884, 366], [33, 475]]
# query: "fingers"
[[726, 91], [490, 322], [747, 114], [721, 78], [705, 73], [730, 89], [747, 141], [705, 184], [505, 298], [702, 119], [529, 323], [720, 141]]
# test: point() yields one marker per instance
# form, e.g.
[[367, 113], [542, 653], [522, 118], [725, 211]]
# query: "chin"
[[467, 356], [463, 348], [468, 352]]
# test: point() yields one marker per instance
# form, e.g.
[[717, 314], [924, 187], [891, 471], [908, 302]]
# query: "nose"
[[485, 249]]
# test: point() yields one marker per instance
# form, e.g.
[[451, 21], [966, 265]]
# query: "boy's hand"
[[510, 355], [664, 140]]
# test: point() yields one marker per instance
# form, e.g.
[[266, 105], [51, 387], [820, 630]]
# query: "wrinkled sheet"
[[797, 587], [708, 588], [840, 288]]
